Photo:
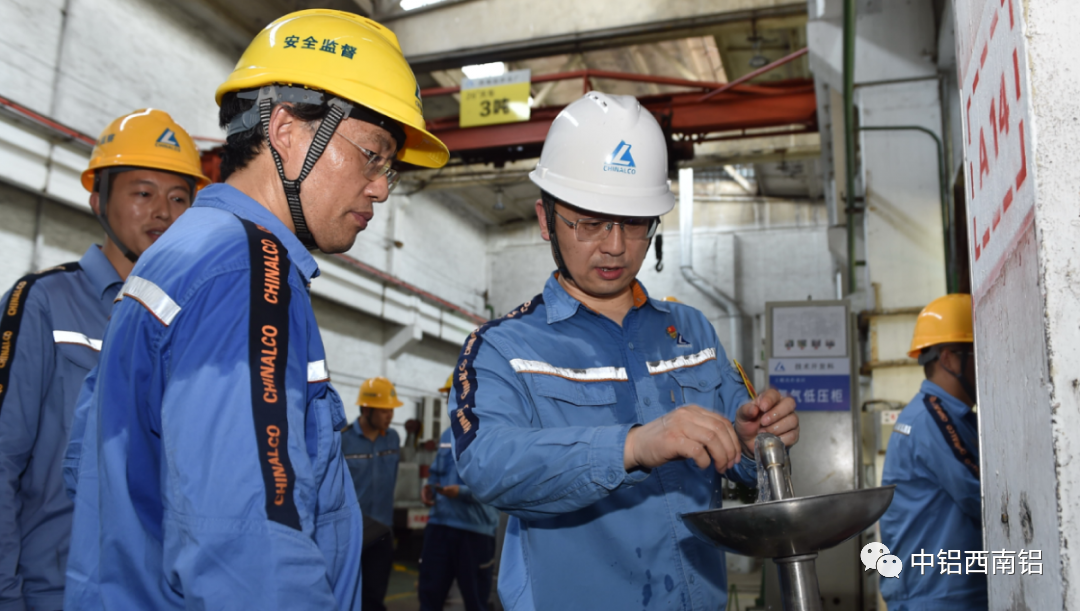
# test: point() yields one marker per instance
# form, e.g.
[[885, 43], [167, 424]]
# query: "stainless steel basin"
[[791, 527]]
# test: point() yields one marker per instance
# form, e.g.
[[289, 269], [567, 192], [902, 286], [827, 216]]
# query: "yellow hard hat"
[[449, 384], [672, 298], [379, 393], [347, 56], [947, 320], [147, 138]]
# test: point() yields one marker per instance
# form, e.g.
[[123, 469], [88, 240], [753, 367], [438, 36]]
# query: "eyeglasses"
[[596, 230], [376, 165]]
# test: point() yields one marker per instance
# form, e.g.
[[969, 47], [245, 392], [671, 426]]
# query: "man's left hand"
[[450, 492], [769, 413]]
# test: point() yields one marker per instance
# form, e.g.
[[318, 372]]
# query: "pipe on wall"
[[951, 279], [849, 136], [686, 264]]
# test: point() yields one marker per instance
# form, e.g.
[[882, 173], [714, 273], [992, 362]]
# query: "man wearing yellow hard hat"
[[933, 460], [459, 539], [212, 474], [143, 174], [373, 450]]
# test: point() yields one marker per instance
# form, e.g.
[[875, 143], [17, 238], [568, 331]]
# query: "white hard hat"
[[605, 153]]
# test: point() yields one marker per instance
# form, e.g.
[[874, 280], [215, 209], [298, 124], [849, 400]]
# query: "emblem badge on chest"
[[675, 335]]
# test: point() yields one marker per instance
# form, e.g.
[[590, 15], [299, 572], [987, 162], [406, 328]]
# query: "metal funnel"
[[791, 527]]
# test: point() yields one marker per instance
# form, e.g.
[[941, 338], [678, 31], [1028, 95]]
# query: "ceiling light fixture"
[[758, 60], [409, 5], [482, 70]]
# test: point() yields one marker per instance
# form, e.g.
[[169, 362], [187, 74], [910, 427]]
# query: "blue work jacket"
[[936, 506], [464, 511], [373, 466], [542, 401], [210, 474], [51, 328]]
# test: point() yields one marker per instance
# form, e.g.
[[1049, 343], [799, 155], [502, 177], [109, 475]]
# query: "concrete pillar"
[[1019, 93]]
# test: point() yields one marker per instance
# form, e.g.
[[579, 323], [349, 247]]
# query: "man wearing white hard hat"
[[595, 415]]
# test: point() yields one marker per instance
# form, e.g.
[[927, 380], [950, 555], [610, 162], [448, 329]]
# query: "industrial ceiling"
[[717, 49]]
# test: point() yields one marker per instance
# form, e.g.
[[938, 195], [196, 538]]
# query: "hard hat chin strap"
[[968, 387], [548, 201], [933, 353], [103, 183], [339, 109]]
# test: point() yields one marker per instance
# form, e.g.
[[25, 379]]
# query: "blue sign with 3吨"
[[816, 384]]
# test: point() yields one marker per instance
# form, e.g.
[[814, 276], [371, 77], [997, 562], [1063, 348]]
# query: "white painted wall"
[[904, 235], [114, 56], [424, 226], [1026, 297], [64, 234], [894, 40]]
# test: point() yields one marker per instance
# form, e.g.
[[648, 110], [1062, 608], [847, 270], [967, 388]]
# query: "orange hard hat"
[[378, 393], [947, 320], [147, 138], [449, 384]]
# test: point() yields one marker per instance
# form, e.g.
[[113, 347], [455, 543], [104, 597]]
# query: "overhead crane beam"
[[691, 116]]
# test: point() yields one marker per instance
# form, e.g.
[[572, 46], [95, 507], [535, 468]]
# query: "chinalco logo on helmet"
[[167, 139], [620, 160]]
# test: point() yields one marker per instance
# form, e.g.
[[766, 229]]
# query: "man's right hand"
[[690, 432]]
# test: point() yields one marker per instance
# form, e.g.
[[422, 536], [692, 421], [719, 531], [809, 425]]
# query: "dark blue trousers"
[[376, 564], [452, 553]]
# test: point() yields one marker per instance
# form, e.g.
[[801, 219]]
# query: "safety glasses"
[[596, 230], [376, 165]]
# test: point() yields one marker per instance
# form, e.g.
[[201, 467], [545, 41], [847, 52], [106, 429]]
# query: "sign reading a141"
[[495, 99]]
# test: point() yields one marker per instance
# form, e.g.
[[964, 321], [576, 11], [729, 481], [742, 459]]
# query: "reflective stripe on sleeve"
[[152, 298], [73, 337], [689, 360], [317, 372], [367, 456], [591, 374]]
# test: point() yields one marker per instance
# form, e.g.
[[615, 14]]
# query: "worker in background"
[[373, 450], [211, 473], [595, 415], [459, 539], [143, 174], [933, 460]]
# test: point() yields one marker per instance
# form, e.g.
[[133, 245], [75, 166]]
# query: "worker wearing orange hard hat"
[[149, 143], [933, 460], [143, 173], [372, 450], [212, 473]]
